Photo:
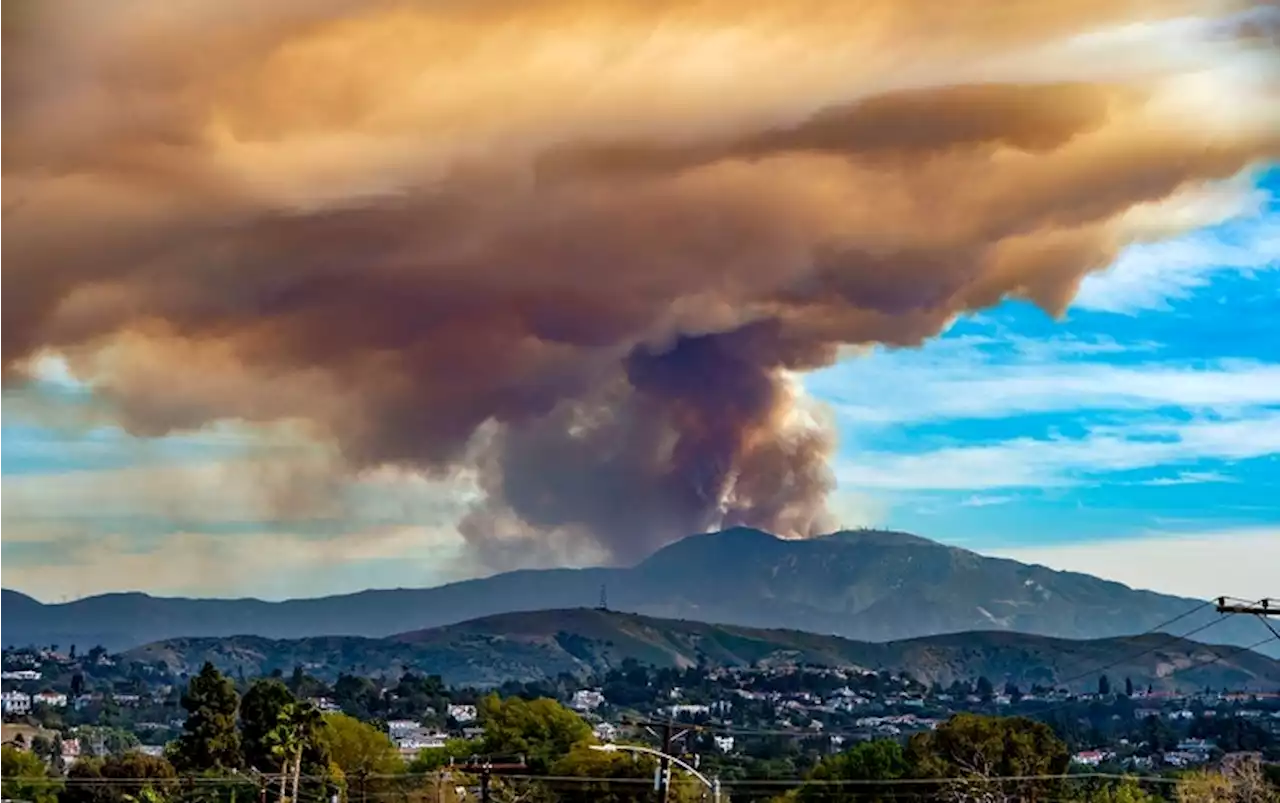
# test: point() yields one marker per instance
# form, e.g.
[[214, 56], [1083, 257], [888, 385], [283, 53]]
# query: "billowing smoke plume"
[[577, 246]]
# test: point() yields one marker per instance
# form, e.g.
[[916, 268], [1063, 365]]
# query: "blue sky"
[[1137, 438], [1146, 422]]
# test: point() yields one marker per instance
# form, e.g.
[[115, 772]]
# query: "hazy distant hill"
[[866, 585], [537, 644]]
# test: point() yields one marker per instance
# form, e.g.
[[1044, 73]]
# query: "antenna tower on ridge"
[[604, 599]]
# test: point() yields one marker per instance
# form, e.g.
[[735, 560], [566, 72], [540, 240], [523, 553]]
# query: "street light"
[[713, 785]]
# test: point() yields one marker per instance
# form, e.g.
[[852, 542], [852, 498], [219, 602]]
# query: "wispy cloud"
[[1189, 478], [978, 500], [1059, 461], [966, 379], [1151, 275]]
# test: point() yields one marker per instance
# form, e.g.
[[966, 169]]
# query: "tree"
[[357, 696], [984, 689], [1104, 685], [125, 778], [975, 749], [1158, 734], [210, 741], [260, 711], [362, 752], [26, 777], [454, 750], [359, 748], [1127, 791], [1205, 787], [77, 685], [541, 730], [298, 728], [601, 768], [1128, 687], [877, 760], [105, 741]]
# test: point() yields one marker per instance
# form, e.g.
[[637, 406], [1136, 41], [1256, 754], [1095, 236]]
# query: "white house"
[[412, 745], [688, 709], [397, 728], [325, 706], [21, 674], [52, 699], [724, 743], [463, 713], [586, 700], [15, 702], [1091, 758]]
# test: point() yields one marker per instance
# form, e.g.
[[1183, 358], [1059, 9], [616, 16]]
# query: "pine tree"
[[1128, 687], [1104, 685], [210, 741], [261, 710]]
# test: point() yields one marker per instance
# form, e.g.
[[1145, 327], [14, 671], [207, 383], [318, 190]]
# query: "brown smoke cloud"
[[577, 247]]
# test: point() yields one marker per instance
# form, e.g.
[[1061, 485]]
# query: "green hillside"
[[538, 644]]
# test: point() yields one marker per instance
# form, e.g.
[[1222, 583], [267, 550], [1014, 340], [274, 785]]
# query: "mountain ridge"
[[865, 585], [534, 645]]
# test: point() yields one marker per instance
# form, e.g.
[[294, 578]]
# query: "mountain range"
[[542, 644], [866, 585]]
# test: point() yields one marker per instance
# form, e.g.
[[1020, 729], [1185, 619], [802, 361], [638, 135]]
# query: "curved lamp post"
[[713, 785]]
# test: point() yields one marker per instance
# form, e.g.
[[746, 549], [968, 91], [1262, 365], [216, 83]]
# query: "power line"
[[1152, 631]]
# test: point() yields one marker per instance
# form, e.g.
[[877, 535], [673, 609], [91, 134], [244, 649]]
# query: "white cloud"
[[1057, 461], [980, 500], [961, 379], [1150, 275], [1240, 563], [1190, 478]]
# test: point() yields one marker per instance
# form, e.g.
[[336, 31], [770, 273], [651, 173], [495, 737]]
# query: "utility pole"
[[664, 768], [1263, 607], [485, 772], [668, 737]]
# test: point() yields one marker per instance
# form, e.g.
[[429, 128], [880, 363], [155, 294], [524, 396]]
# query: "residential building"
[[586, 700], [52, 699], [398, 728], [462, 713], [1091, 758], [15, 702]]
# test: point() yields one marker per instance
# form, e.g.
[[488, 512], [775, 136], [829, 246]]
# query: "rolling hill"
[[538, 644], [867, 585]]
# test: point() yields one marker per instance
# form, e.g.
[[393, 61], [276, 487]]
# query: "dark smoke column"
[[696, 438]]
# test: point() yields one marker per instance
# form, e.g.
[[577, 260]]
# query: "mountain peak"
[[880, 538], [873, 585], [8, 594]]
